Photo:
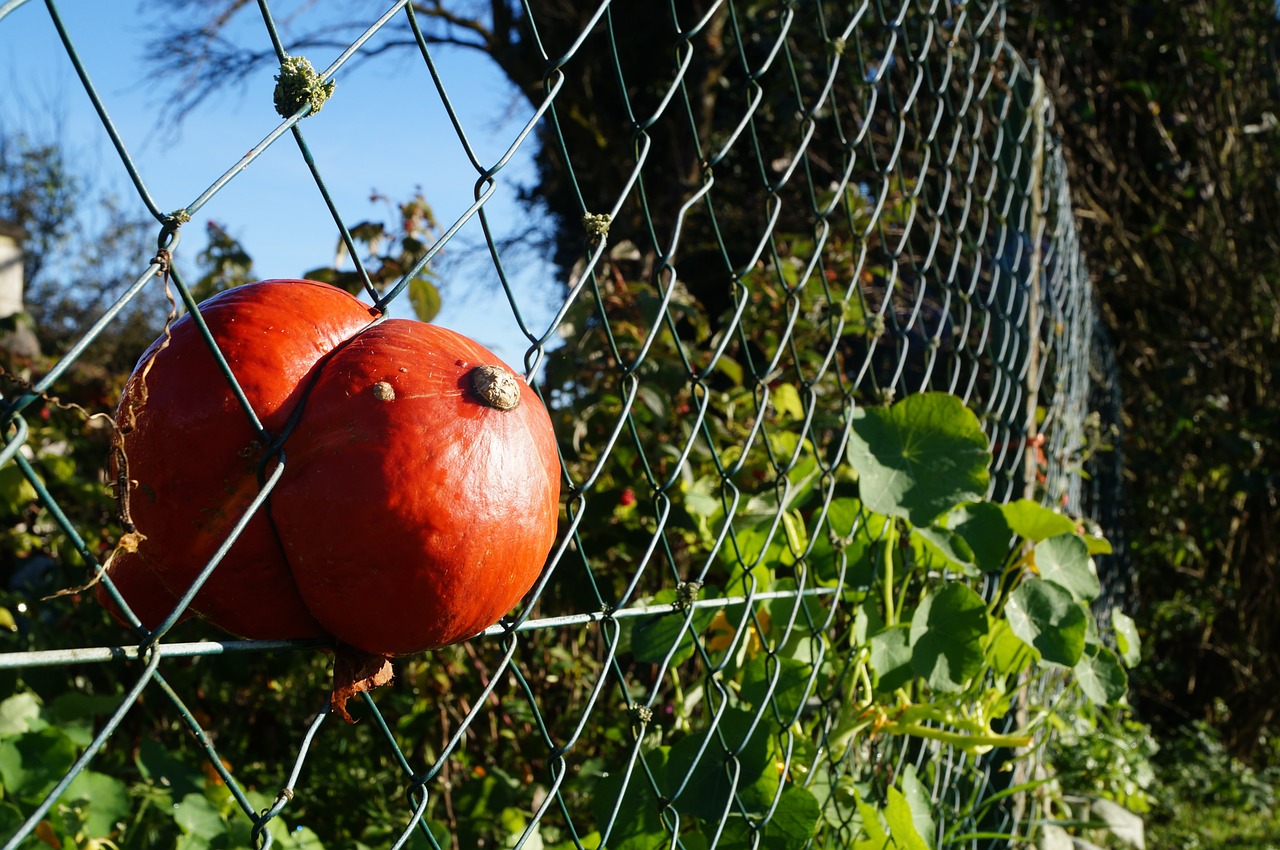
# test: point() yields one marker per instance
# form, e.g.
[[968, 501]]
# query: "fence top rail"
[[190, 649]]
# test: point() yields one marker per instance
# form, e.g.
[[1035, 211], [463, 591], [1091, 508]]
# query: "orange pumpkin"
[[420, 486]]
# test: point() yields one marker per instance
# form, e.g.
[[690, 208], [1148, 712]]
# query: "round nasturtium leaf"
[[1101, 676], [1128, 642], [985, 529], [1035, 522], [1044, 615], [1064, 560], [794, 819], [920, 457], [946, 637], [891, 658], [937, 549]]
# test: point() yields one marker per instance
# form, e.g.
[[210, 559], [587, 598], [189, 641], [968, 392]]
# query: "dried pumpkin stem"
[[496, 387]]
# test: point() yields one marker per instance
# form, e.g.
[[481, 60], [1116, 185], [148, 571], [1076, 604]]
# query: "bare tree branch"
[[201, 59]]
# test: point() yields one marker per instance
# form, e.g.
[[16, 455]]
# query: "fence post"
[[1034, 311]]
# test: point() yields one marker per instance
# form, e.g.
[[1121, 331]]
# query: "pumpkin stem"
[[355, 672], [496, 387]]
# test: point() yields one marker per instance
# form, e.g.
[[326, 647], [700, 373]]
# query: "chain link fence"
[[767, 217]]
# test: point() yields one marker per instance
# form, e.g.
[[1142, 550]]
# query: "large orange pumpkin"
[[420, 488]]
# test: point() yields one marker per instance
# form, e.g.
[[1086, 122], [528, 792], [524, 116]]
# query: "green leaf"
[[850, 532], [947, 630], [1101, 677], [653, 637], [1064, 560], [369, 232], [16, 491], [867, 620], [802, 613], [921, 802], [304, 838], [1097, 545], [731, 369], [197, 816], [102, 801], [1044, 615], [424, 297], [984, 527], [701, 499], [33, 762], [891, 658], [1127, 639], [323, 275], [10, 818], [937, 548], [652, 400], [512, 821], [1007, 654], [920, 457], [876, 835], [794, 820], [791, 826], [786, 401], [74, 714], [760, 543], [161, 768], [1034, 522], [735, 834], [20, 713], [186, 841], [902, 825], [790, 690], [710, 781]]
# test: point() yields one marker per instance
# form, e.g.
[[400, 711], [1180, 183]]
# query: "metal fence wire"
[[766, 215]]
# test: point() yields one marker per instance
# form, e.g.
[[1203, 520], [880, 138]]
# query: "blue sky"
[[384, 129]]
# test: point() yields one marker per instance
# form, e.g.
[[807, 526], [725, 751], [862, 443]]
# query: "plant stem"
[[1005, 585], [956, 739], [890, 543]]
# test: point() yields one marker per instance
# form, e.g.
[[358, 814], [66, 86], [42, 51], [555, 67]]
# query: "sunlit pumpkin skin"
[[149, 599], [411, 513], [193, 454], [448, 505]]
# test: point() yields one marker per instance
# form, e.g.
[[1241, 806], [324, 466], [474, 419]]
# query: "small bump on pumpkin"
[[496, 387], [383, 391]]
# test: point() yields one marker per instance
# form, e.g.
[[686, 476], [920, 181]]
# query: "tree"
[[1168, 113], [38, 194], [693, 152], [71, 283]]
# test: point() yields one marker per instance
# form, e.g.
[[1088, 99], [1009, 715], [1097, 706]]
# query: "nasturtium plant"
[[919, 458], [756, 719], [948, 601], [39, 743]]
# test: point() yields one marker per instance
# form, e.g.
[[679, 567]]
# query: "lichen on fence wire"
[[821, 361]]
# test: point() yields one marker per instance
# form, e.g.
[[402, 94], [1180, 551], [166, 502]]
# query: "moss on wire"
[[299, 84]]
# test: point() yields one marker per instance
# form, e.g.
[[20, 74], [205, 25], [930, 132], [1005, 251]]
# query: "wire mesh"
[[801, 209]]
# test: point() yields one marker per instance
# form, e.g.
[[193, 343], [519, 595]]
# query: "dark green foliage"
[[1168, 116]]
